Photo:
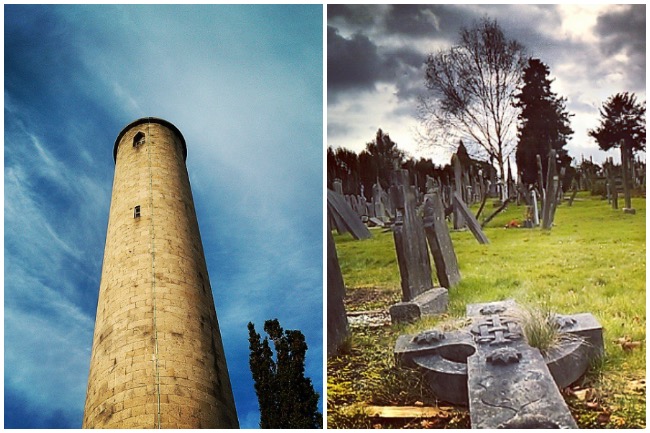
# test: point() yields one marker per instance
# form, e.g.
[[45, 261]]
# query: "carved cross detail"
[[490, 365]]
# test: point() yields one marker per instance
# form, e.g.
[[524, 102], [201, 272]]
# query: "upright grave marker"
[[439, 241], [419, 297], [459, 222]]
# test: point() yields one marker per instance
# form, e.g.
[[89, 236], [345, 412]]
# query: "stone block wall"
[[157, 358]]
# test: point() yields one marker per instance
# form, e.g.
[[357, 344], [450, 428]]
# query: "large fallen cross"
[[507, 383]]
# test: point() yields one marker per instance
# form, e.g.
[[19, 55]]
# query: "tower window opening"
[[136, 212], [138, 139]]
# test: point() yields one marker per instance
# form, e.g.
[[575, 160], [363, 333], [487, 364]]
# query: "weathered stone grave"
[[439, 241], [552, 179], [458, 220], [337, 322], [472, 224], [344, 218], [419, 297], [488, 364]]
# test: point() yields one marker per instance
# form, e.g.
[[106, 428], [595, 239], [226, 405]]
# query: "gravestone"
[[472, 224], [337, 184], [535, 210], [379, 207], [625, 162], [345, 219], [419, 297], [549, 198], [489, 365], [337, 321], [439, 241], [458, 220]]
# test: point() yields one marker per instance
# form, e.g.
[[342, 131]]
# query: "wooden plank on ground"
[[401, 411]]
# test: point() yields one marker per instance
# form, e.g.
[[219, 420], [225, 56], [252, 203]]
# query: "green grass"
[[592, 260]]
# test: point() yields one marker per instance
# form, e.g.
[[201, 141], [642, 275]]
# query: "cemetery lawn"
[[593, 260]]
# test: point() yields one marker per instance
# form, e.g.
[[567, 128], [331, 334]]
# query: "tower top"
[[150, 120]]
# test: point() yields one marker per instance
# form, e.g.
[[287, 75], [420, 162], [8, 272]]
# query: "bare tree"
[[471, 87]]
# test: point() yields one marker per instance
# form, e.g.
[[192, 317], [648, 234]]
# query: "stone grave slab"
[[488, 365], [418, 294], [442, 250], [337, 322], [345, 217], [471, 222]]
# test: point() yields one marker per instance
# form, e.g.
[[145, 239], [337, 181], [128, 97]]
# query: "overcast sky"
[[244, 85], [376, 55]]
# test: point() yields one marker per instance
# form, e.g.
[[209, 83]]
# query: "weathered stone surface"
[[410, 240], [489, 365], [337, 322], [169, 372], [458, 220], [513, 383], [429, 303], [437, 234], [344, 217], [472, 224]]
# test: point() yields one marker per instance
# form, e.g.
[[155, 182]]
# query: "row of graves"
[[488, 365]]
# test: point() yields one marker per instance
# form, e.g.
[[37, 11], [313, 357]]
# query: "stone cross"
[[419, 297], [488, 364]]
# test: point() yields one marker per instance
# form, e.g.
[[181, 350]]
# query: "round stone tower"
[[157, 358]]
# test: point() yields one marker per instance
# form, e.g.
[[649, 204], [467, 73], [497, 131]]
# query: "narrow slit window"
[[138, 139], [136, 212]]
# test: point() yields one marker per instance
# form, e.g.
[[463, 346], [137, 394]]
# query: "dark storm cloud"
[[623, 31], [433, 21], [358, 15], [351, 63]]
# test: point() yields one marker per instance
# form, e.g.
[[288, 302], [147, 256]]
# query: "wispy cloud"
[[244, 85]]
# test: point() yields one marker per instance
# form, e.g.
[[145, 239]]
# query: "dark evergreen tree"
[[622, 118], [286, 397], [543, 123], [383, 156]]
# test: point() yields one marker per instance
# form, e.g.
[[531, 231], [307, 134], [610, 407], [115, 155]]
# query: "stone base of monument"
[[430, 303], [629, 210]]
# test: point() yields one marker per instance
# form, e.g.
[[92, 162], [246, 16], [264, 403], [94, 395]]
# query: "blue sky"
[[244, 86]]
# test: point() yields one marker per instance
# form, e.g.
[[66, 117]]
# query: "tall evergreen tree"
[[622, 118], [543, 122], [286, 397]]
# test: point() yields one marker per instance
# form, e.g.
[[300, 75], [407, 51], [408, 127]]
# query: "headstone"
[[439, 241], [337, 322], [338, 186], [458, 220], [472, 224], [377, 193], [626, 179], [489, 364], [419, 297], [550, 192], [535, 210], [344, 217]]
